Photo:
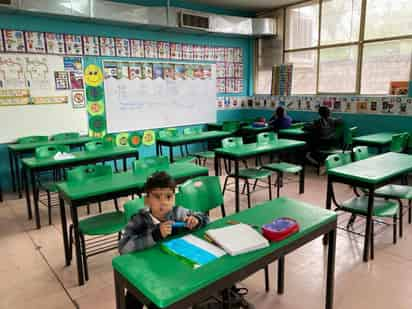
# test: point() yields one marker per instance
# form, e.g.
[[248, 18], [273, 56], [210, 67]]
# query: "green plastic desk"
[[32, 166], [294, 133], [378, 140], [371, 174], [165, 281], [172, 141], [109, 187], [246, 151], [17, 150]]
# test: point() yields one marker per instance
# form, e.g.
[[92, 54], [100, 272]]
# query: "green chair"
[[399, 142], [245, 174], [231, 126], [65, 136], [150, 165], [201, 194], [173, 132], [98, 226], [32, 139], [358, 205], [132, 207], [201, 155], [280, 167], [391, 191], [97, 145], [46, 181]]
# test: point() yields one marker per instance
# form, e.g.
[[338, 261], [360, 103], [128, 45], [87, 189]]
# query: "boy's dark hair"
[[324, 112], [159, 180], [280, 112]]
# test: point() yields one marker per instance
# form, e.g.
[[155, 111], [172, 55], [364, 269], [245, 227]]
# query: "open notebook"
[[237, 239]]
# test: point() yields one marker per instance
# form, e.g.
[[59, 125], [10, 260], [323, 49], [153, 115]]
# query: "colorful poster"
[[220, 85], [189, 71], [123, 70], [209, 53], [14, 41], [157, 70], [229, 70], [78, 100], [230, 85], [55, 43], [14, 97], [398, 87], [388, 105], [122, 47], [135, 71], [238, 70], [219, 53], [73, 44], [198, 53], [180, 71], [176, 51], [147, 70], [237, 55], [198, 71], [220, 102], [35, 42], [91, 45], [150, 49], [163, 49], [229, 54], [207, 71], [168, 71], [72, 63], [1, 41], [362, 107], [220, 70], [76, 79], [149, 137], [137, 48], [107, 47], [187, 52], [61, 80], [238, 87], [110, 70]]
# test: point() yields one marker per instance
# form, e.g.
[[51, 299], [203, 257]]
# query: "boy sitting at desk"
[[154, 223]]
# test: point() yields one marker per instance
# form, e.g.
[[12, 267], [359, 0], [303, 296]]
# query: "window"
[[337, 69], [347, 46], [385, 62], [388, 18], [304, 71], [340, 21], [302, 25]]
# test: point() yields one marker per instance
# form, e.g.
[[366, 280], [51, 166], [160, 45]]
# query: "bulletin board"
[[40, 95]]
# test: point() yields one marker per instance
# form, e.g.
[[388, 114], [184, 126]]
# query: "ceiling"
[[246, 5]]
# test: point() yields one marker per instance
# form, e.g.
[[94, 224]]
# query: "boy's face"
[[160, 201]]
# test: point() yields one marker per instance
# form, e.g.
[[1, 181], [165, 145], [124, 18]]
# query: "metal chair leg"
[[49, 206], [116, 204], [224, 185], [84, 256], [254, 185], [278, 182], [248, 192], [395, 232], [400, 219], [100, 206], [410, 211], [270, 187], [267, 284], [373, 240], [222, 207]]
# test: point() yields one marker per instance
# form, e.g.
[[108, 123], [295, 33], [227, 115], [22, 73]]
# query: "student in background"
[[323, 133], [154, 223], [280, 120]]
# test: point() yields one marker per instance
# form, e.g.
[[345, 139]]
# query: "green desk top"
[[383, 138], [165, 279], [123, 181], [187, 139], [376, 169], [79, 156], [247, 150], [33, 146], [293, 131], [251, 129]]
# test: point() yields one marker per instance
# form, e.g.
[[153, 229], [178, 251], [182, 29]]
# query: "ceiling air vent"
[[188, 20]]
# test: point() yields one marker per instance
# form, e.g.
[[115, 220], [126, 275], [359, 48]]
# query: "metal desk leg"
[[28, 200], [18, 176], [237, 202], [157, 149], [64, 231], [302, 176], [124, 164], [79, 262], [368, 230], [171, 153], [35, 199], [12, 174], [216, 161], [281, 275], [119, 292], [328, 205], [330, 274]]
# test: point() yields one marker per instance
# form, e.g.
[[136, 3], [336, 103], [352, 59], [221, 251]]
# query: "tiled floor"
[[33, 275]]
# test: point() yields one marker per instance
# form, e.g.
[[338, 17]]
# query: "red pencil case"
[[280, 228]]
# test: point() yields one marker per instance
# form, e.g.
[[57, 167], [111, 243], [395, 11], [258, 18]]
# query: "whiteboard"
[[140, 104], [36, 73]]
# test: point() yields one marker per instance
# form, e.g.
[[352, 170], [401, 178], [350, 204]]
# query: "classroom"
[[205, 154]]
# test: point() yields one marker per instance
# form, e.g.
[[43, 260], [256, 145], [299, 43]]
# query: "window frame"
[[359, 43]]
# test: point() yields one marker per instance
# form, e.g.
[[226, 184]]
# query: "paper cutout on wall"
[[93, 75], [95, 108], [55, 43], [14, 97], [97, 124], [122, 139], [14, 41], [78, 99], [135, 139], [35, 42], [137, 48], [91, 45], [50, 100], [149, 137], [73, 44]]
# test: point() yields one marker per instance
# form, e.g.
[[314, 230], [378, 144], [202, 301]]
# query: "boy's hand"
[[191, 222], [166, 228]]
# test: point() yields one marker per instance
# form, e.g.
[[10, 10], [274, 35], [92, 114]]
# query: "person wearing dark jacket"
[[280, 120]]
